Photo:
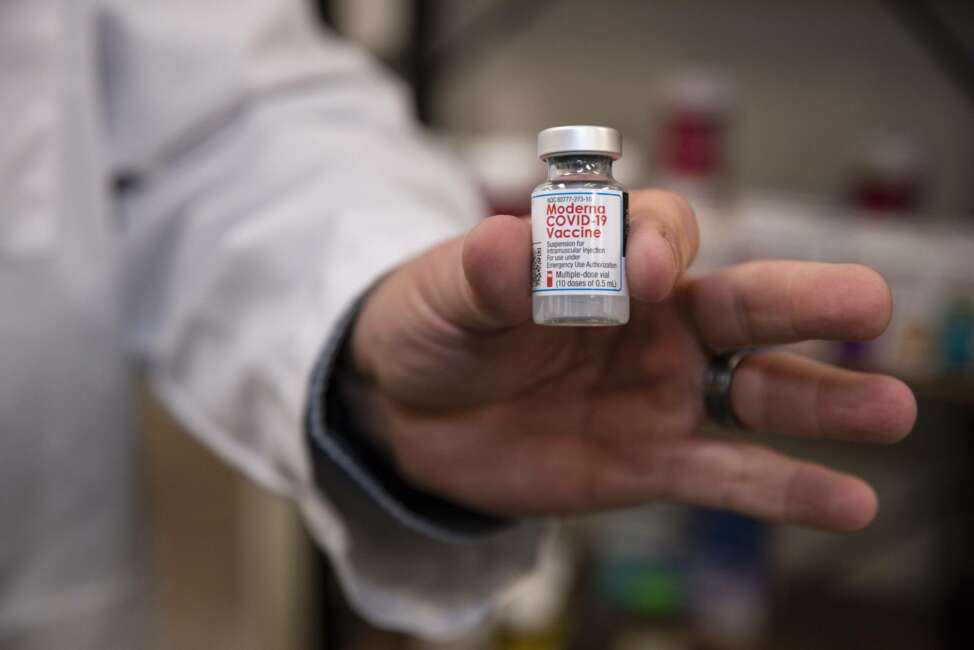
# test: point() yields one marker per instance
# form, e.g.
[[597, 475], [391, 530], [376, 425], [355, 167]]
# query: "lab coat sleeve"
[[271, 174]]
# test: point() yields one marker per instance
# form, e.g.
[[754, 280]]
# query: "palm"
[[547, 388]]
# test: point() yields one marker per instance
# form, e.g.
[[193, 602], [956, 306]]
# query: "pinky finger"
[[756, 481]]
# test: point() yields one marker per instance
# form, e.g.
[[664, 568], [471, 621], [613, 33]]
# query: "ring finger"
[[779, 392]]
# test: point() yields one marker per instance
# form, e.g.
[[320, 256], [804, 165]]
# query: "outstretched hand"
[[484, 407]]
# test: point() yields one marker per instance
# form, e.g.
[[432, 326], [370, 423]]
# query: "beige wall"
[[232, 567]]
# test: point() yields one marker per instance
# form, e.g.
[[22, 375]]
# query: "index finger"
[[663, 241]]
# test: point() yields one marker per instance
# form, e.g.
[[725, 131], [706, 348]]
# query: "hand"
[[482, 406]]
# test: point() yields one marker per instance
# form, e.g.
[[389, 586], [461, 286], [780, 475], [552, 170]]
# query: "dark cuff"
[[340, 442]]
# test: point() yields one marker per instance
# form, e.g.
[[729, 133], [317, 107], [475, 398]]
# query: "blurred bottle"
[[957, 327], [729, 601], [958, 335], [889, 177], [638, 581], [697, 112]]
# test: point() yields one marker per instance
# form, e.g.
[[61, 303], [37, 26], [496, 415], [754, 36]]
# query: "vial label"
[[578, 242]]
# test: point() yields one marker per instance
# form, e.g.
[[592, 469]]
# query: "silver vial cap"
[[598, 140]]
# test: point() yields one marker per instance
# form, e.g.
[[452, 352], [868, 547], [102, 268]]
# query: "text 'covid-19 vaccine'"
[[579, 220]]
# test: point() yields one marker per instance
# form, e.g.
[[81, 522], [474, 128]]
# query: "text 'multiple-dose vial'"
[[579, 219]]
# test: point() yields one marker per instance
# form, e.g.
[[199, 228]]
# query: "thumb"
[[480, 281]]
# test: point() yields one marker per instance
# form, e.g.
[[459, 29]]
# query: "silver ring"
[[717, 379]]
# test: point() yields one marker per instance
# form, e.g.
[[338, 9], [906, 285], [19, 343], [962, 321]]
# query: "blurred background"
[[834, 131]]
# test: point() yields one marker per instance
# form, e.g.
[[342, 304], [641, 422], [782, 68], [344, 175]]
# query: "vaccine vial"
[[579, 221]]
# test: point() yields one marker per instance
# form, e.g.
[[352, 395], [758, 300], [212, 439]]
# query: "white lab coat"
[[272, 174]]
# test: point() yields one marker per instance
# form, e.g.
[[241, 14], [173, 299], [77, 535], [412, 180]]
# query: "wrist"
[[350, 429]]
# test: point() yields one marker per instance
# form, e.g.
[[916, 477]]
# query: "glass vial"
[[579, 222]]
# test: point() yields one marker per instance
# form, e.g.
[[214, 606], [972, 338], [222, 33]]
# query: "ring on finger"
[[717, 379]]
